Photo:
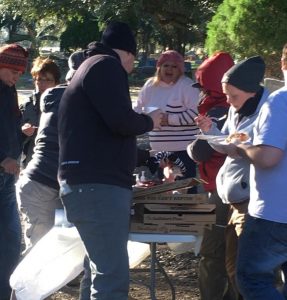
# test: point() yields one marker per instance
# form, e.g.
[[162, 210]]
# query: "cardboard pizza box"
[[169, 218], [180, 208], [166, 187], [201, 198], [194, 229]]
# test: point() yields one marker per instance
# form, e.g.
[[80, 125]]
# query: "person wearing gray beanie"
[[242, 86], [74, 61], [246, 75]]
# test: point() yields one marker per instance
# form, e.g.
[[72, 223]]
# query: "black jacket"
[[30, 114], [97, 125], [10, 123], [43, 167]]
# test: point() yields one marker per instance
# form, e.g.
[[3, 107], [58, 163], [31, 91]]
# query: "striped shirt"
[[180, 101]]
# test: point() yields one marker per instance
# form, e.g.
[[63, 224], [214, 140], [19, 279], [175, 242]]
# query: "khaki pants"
[[213, 279], [233, 230], [38, 203]]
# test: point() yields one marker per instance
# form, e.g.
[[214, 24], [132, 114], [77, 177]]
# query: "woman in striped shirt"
[[172, 92]]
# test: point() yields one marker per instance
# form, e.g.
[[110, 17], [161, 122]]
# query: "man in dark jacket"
[[97, 135], [13, 62], [37, 189], [46, 74]]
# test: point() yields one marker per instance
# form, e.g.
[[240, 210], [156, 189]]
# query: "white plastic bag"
[[57, 259], [53, 262], [137, 253]]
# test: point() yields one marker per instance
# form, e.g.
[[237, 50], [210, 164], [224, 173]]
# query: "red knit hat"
[[171, 55], [14, 57]]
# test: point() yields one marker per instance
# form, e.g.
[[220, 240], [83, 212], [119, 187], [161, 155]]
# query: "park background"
[[195, 28]]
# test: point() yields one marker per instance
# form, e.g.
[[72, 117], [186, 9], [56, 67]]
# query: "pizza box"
[[173, 199], [180, 218], [194, 229], [180, 208], [166, 187]]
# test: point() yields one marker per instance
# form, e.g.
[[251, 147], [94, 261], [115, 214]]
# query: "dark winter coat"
[[30, 114], [43, 167], [97, 125], [10, 123]]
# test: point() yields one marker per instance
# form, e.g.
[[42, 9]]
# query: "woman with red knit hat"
[[13, 62], [172, 92]]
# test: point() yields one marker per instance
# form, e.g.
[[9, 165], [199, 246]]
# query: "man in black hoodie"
[[97, 136], [13, 62]]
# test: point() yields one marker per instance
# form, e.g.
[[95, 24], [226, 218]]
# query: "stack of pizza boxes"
[[158, 209]]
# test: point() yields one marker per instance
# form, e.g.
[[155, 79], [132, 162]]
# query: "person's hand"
[[203, 122], [10, 166], [168, 174], [164, 120], [28, 129], [156, 116], [165, 163]]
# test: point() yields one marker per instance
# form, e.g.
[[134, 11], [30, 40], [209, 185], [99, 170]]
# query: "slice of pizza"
[[237, 137]]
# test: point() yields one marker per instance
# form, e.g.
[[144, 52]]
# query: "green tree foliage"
[[180, 22], [171, 23], [250, 27], [79, 33]]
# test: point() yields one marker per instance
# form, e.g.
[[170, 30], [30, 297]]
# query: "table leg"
[[152, 270], [167, 279], [155, 263]]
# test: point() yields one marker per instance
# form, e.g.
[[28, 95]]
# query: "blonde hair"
[[156, 79], [169, 55]]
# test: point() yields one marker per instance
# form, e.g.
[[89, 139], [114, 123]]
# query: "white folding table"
[[153, 239]]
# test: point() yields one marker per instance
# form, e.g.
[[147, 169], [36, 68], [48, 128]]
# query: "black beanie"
[[246, 75], [118, 35]]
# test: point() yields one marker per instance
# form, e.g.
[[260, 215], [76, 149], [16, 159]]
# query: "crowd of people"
[[74, 145]]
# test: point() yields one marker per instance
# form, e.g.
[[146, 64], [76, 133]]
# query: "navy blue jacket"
[[10, 123], [97, 125]]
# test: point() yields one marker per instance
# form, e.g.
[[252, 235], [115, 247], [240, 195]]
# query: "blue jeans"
[[101, 214], [10, 233], [262, 249]]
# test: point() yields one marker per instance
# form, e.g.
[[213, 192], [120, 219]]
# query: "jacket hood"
[[51, 97], [95, 48], [210, 72]]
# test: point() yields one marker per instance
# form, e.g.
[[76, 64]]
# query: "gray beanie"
[[246, 75], [74, 61]]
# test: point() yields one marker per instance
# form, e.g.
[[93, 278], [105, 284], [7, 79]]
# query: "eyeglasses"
[[44, 80]]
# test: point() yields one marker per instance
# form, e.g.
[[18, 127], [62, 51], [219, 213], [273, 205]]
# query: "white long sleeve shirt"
[[180, 101]]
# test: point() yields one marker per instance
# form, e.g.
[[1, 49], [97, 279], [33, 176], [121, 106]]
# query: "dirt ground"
[[181, 269]]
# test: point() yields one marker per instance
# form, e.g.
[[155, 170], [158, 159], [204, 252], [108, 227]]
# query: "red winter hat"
[[171, 55], [14, 57]]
